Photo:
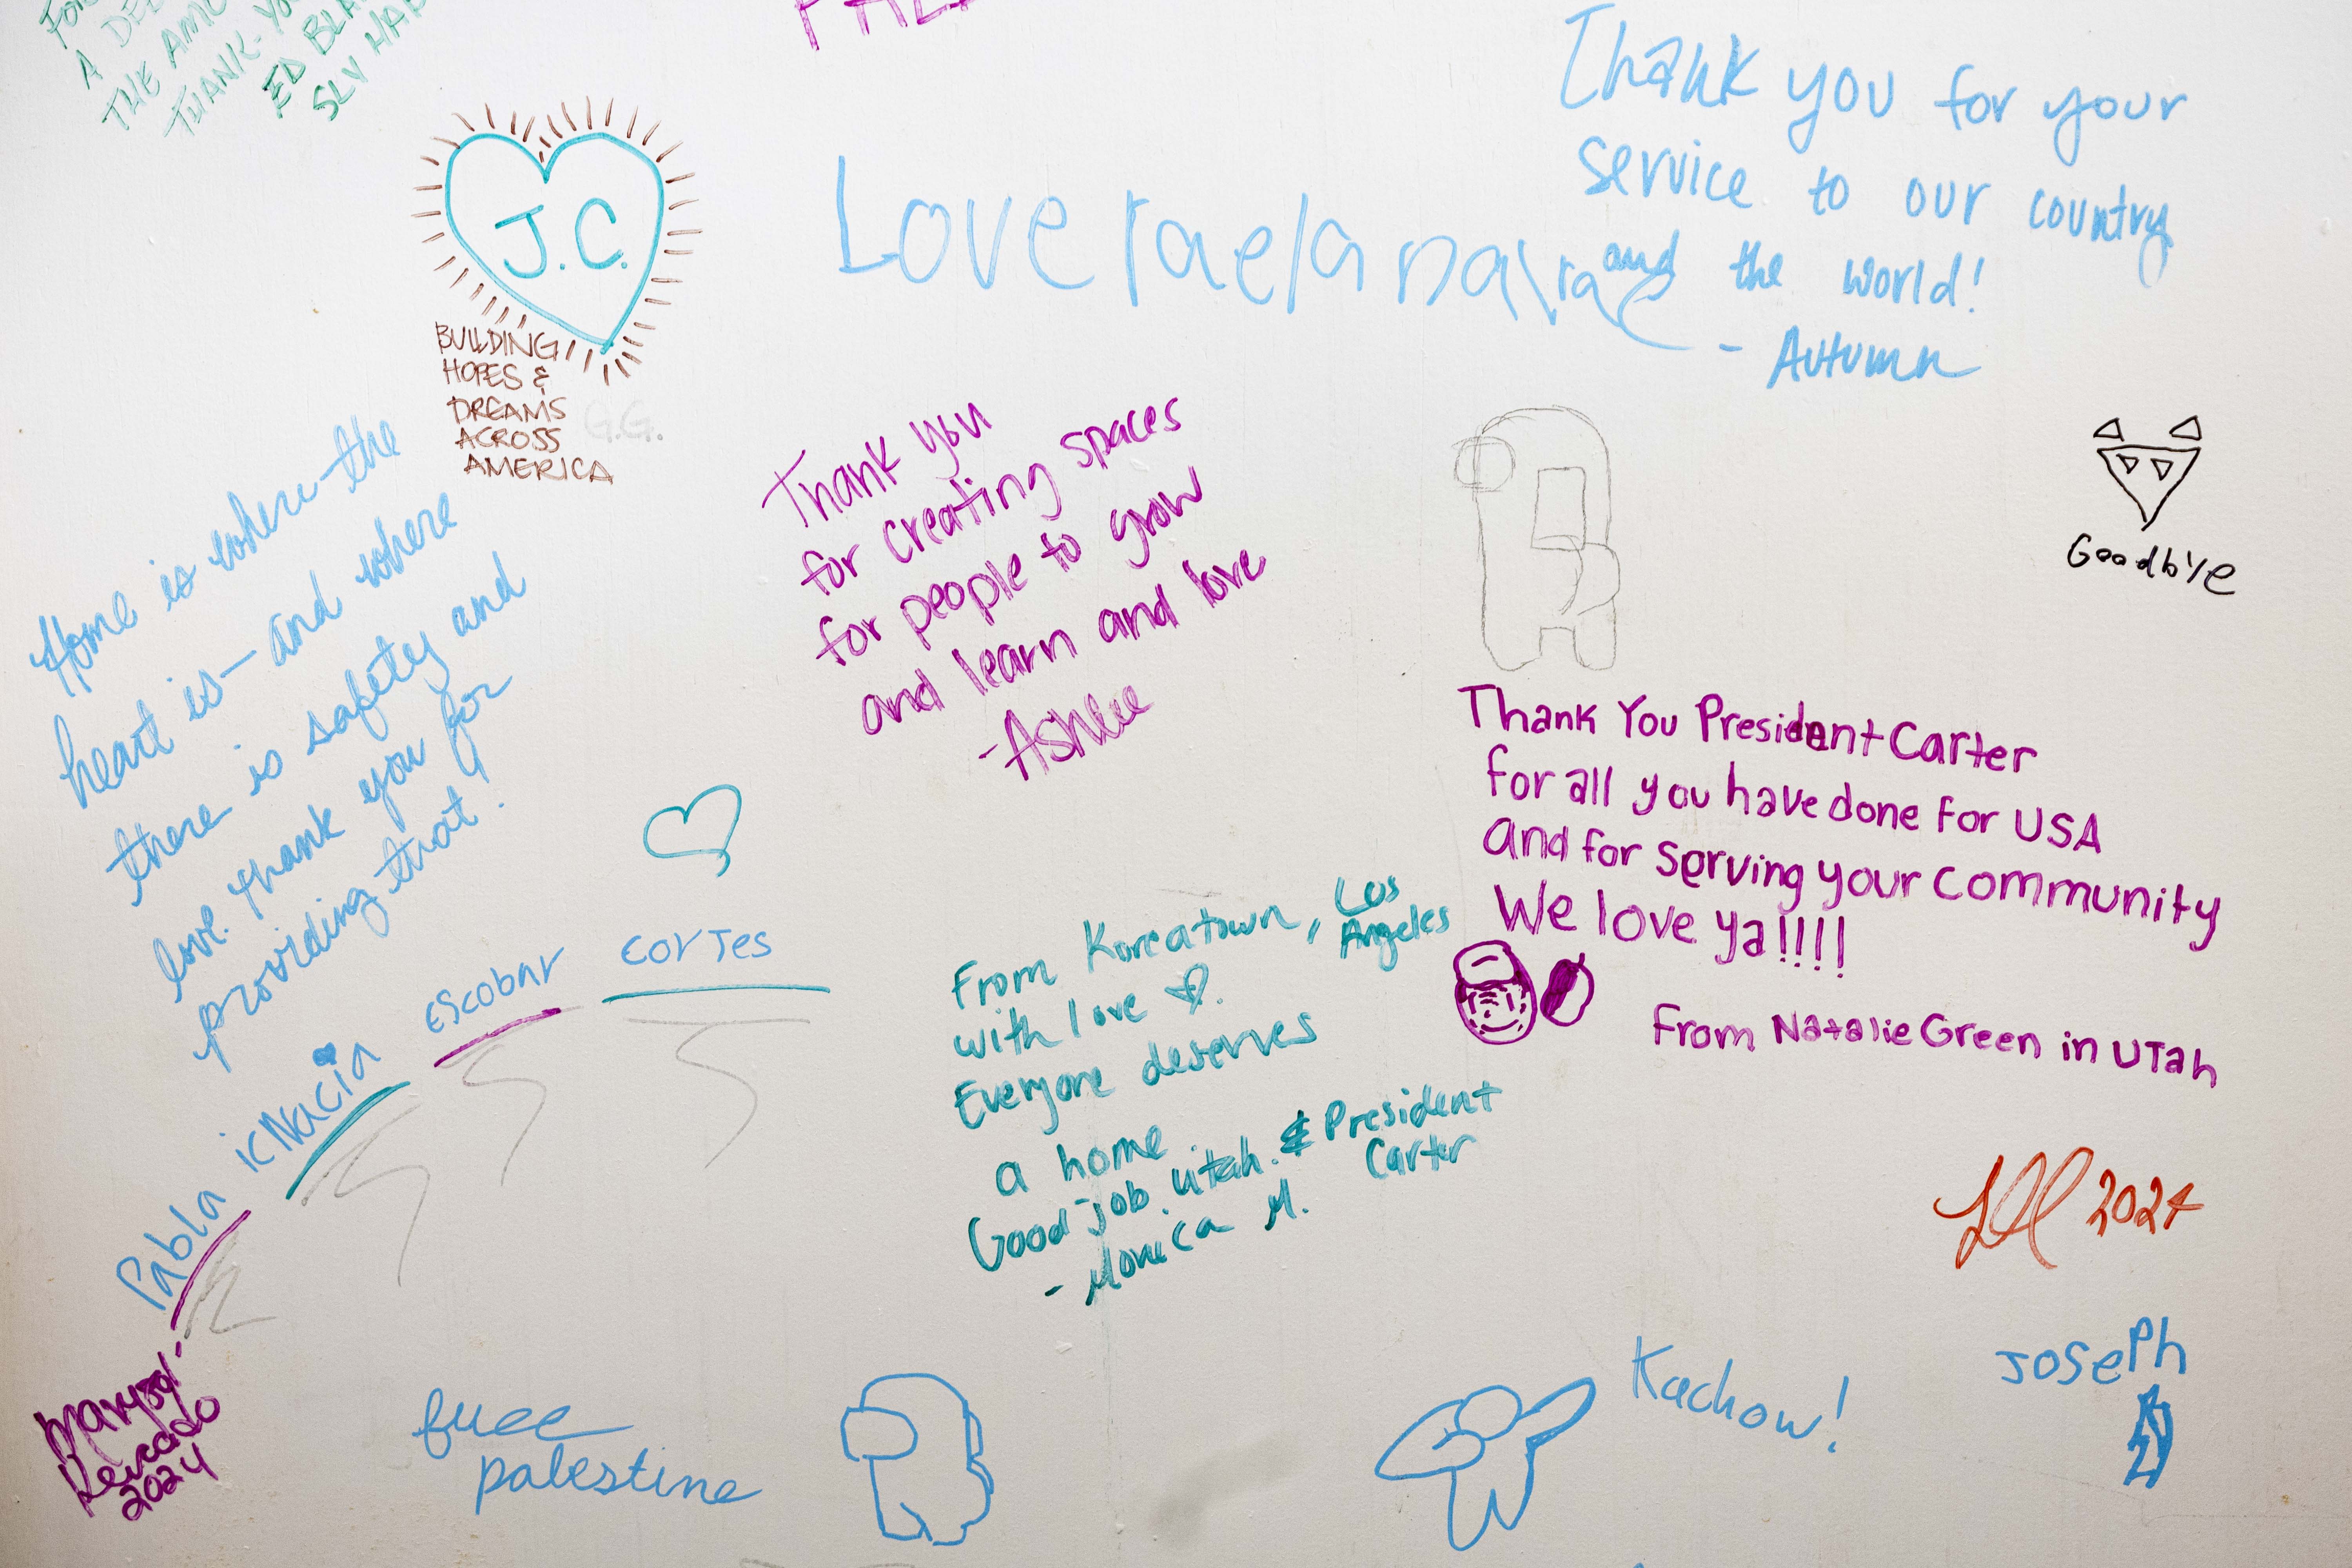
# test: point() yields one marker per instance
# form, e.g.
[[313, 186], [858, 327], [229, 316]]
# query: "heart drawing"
[[573, 239], [684, 836]]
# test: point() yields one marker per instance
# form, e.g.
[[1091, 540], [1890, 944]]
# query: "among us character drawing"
[[1540, 481], [920, 1444], [1497, 1001], [2150, 474], [1485, 1444]]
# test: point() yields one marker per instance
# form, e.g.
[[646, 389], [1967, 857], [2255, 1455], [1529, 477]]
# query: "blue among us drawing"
[[920, 1444], [1485, 1444]]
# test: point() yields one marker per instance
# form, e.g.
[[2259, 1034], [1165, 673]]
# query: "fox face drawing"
[[2150, 474]]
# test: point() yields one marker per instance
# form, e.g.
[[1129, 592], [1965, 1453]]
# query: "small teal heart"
[[573, 239], [682, 838], [324, 1056]]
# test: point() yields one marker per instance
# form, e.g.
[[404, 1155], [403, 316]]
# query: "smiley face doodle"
[[1493, 993]]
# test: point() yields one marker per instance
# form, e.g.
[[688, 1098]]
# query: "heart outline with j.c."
[[496, 195], [685, 815]]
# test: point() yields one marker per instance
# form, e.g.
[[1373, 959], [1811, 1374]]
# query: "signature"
[[2045, 1190]]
